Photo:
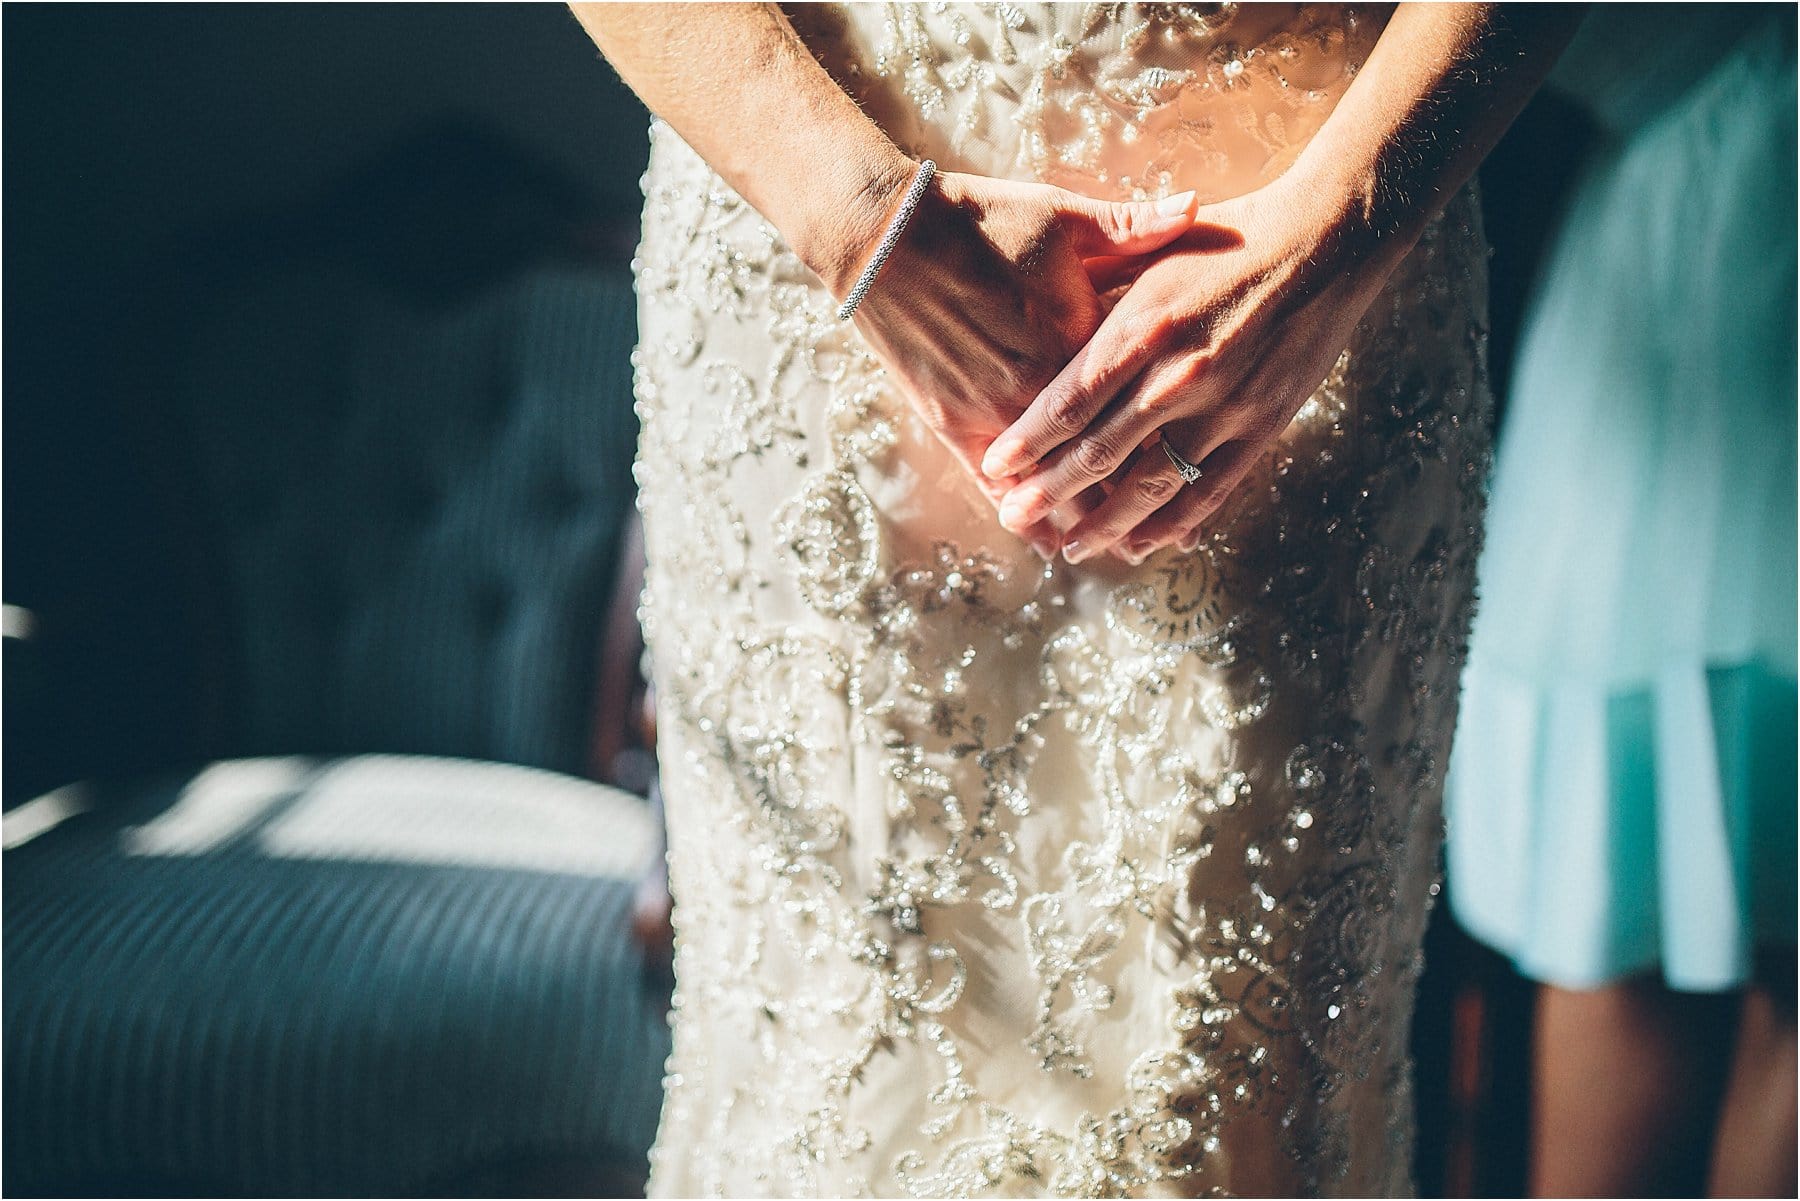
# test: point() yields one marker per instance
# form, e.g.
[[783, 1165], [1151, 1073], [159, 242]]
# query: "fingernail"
[[1045, 547], [1174, 206], [1076, 551], [1001, 463], [1190, 541], [1019, 509], [1137, 552]]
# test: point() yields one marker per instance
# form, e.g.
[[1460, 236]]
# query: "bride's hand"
[[985, 297], [1216, 344]]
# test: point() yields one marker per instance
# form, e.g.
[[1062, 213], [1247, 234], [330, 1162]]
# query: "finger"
[[1103, 227], [1045, 538], [1076, 510], [1044, 534], [1115, 271], [1152, 483], [1068, 404], [1104, 445], [1047, 535], [1185, 521]]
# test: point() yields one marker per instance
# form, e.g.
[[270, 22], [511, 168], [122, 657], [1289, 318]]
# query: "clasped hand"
[[1050, 339]]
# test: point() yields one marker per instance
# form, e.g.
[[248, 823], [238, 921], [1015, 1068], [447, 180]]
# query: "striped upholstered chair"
[[381, 945]]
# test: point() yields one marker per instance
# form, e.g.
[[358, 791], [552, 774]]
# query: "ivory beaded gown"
[[994, 878]]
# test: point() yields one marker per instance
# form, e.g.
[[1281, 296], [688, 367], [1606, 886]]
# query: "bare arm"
[[1218, 342], [741, 88], [1440, 88], [985, 296]]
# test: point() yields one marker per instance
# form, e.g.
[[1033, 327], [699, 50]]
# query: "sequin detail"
[[995, 878]]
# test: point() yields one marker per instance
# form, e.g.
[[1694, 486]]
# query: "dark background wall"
[[134, 135], [125, 120]]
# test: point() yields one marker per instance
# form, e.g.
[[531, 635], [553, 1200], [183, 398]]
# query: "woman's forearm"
[[1441, 86], [740, 87]]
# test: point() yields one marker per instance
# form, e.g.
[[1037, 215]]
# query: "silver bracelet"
[[913, 195]]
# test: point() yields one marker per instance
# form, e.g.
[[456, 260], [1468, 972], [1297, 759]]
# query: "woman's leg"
[[1627, 1080], [1755, 1152]]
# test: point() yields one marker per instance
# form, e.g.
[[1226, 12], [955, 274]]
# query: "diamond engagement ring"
[[1190, 472]]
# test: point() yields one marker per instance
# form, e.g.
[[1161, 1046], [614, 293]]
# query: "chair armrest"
[[622, 745]]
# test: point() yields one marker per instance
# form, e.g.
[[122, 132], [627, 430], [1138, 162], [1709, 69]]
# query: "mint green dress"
[[1621, 797]]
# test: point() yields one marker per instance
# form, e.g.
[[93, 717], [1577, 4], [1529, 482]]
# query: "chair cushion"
[[303, 976]]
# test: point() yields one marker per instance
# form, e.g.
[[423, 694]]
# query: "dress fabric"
[[1622, 796], [998, 878]]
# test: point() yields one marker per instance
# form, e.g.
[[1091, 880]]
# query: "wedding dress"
[[998, 878]]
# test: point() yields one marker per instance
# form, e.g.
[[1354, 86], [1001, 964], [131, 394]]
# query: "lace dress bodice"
[[1120, 101]]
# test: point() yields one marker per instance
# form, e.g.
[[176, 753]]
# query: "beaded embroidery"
[[995, 878]]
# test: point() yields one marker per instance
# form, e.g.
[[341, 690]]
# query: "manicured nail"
[[1045, 547], [1190, 540], [1137, 552], [1076, 551], [1020, 508], [1175, 205], [997, 463]]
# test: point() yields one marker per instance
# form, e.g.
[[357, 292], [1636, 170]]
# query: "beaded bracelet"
[[913, 195]]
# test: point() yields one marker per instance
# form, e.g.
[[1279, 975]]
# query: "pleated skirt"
[[1622, 793]]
